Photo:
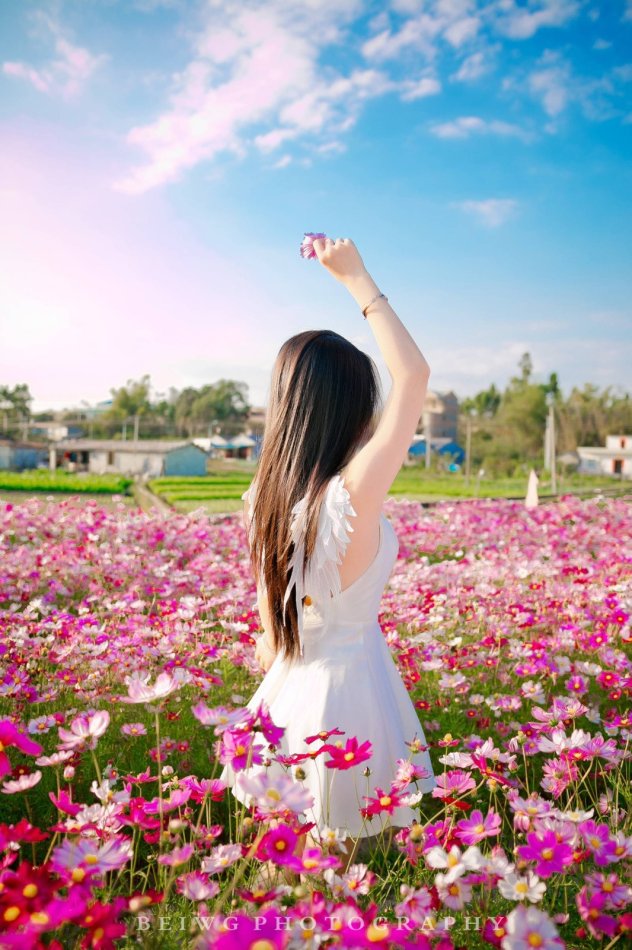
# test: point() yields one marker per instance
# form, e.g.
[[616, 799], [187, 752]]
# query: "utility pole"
[[428, 429], [549, 442], [136, 427]]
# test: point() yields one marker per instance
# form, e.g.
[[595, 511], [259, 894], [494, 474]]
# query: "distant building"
[[440, 416], [55, 431], [439, 446], [129, 457], [615, 458], [18, 456], [242, 446]]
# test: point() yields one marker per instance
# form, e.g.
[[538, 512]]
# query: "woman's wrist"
[[362, 288]]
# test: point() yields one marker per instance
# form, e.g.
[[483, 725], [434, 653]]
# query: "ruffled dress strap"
[[321, 580]]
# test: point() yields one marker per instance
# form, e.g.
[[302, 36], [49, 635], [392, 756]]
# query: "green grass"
[[221, 491], [43, 480]]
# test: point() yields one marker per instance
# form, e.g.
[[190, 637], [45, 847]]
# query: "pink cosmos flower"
[[453, 783], [84, 731], [139, 690], [473, 829], [307, 245], [278, 845], [383, 802], [21, 784], [89, 857], [222, 857], [177, 856], [349, 755], [276, 793], [238, 748], [196, 886], [551, 855], [592, 909], [134, 729], [598, 841], [10, 735]]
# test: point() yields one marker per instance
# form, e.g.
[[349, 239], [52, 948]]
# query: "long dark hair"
[[323, 406]]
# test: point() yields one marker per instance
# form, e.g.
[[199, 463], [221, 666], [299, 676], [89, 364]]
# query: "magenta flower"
[[307, 244], [236, 748], [278, 845], [473, 829], [598, 841], [591, 909], [551, 855], [9, 736], [351, 754], [383, 802]]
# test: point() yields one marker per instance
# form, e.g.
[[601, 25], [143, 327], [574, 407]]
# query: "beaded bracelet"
[[377, 297]]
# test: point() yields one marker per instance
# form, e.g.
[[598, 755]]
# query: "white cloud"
[[65, 75], [420, 88], [492, 212], [468, 125], [627, 13], [472, 68], [551, 83], [521, 22], [256, 63]]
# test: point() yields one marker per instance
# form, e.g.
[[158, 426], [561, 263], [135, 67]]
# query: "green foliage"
[[44, 480]]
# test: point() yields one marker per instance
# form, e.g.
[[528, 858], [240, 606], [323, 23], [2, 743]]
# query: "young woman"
[[322, 552]]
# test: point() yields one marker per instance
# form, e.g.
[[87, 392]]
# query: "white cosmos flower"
[[516, 888], [455, 862]]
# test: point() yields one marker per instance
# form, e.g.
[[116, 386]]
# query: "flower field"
[[126, 661]]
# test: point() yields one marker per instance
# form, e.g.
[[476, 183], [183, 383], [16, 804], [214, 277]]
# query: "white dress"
[[345, 679]]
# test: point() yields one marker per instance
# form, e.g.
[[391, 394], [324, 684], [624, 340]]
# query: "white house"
[[129, 457], [615, 458]]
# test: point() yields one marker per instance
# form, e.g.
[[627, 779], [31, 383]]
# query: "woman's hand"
[[263, 654], [341, 258]]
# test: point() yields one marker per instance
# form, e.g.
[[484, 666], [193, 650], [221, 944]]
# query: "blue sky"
[[161, 160]]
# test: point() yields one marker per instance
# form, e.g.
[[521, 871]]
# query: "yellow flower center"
[[547, 854], [535, 940], [376, 932], [385, 800], [480, 829], [262, 945], [39, 917], [240, 749], [11, 913], [348, 756], [78, 875], [30, 890], [91, 859], [522, 887]]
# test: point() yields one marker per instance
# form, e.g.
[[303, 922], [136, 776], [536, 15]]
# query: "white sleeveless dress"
[[345, 679]]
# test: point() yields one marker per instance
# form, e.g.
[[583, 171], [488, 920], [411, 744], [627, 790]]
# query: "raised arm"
[[373, 469]]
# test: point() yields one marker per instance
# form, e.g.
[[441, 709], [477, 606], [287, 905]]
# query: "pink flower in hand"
[[307, 246]]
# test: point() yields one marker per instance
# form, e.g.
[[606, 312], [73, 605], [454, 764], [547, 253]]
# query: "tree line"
[[508, 426]]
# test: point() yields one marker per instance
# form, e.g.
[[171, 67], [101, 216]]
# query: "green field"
[[43, 480], [221, 490]]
